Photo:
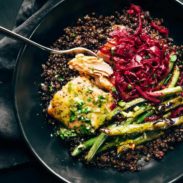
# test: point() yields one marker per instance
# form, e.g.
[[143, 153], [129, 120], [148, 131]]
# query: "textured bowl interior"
[[36, 131]]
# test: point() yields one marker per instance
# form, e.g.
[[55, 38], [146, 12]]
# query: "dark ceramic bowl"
[[36, 131]]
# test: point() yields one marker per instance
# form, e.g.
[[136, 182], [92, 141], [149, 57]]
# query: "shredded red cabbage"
[[177, 112], [161, 29], [152, 118], [139, 61], [180, 81]]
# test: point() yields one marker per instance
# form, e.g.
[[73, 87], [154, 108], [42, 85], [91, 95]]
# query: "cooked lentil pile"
[[92, 32]]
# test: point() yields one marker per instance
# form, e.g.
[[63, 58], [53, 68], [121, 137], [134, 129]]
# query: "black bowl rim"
[[179, 1], [21, 51]]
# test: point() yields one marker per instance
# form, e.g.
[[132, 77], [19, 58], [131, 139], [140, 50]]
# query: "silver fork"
[[16, 36]]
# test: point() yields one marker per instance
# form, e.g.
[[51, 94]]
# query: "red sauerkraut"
[[139, 61]]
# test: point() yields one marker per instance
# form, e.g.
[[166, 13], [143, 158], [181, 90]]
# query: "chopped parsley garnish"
[[79, 104], [69, 87], [129, 86], [60, 78], [89, 91], [72, 116], [112, 51], [147, 57], [73, 35], [114, 89], [154, 76], [100, 97], [84, 129], [85, 110], [92, 69], [84, 119], [50, 88], [66, 133], [101, 100], [89, 99], [173, 58], [78, 110]]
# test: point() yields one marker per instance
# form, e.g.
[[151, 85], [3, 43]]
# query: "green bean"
[[167, 105], [148, 111], [167, 91], [115, 142], [133, 103], [167, 115], [166, 80], [121, 103], [140, 128], [132, 143], [137, 113], [160, 93], [171, 65], [140, 111], [97, 144], [145, 115], [83, 146], [171, 104], [175, 77]]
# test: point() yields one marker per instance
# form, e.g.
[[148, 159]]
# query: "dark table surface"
[[31, 171]]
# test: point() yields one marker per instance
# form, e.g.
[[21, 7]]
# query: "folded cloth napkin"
[[13, 150]]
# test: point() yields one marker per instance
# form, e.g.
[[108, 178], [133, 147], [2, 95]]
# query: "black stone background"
[[16, 161]]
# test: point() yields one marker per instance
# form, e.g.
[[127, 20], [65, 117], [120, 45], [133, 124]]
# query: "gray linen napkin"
[[13, 150]]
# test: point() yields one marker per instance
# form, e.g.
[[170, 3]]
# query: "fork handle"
[[19, 37], [16, 36]]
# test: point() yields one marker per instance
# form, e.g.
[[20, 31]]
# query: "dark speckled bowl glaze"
[[49, 150]]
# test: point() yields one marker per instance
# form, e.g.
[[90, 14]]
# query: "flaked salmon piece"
[[94, 67]]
